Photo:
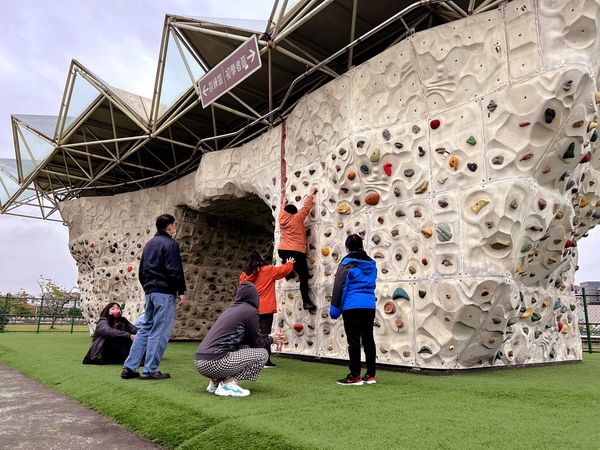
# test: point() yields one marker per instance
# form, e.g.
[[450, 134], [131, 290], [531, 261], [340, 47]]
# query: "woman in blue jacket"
[[354, 298]]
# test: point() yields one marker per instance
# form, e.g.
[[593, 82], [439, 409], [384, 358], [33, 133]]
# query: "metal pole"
[[352, 31], [73, 313], [40, 315], [587, 321]]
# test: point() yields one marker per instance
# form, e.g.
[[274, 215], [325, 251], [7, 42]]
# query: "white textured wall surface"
[[464, 156]]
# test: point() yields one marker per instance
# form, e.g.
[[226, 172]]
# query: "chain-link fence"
[[41, 314], [589, 320]]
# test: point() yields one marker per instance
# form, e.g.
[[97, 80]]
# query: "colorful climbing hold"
[[476, 207], [471, 140], [344, 209], [594, 136], [524, 123], [422, 293], [298, 327], [365, 169], [542, 203], [586, 158], [549, 115], [372, 198], [325, 251], [398, 145], [389, 308], [400, 293], [472, 167], [453, 162], [386, 134], [427, 232], [421, 187], [424, 261], [409, 173], [526, 156], [435, 124], [525, 248], [570, 153], [351, 175], [444, 233], [375, 155], [387, 168], [415, 129], [578, 124]]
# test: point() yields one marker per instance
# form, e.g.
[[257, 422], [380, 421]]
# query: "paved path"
[[35, 417]]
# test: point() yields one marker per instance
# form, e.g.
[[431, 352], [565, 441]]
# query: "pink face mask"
[[116, 314]]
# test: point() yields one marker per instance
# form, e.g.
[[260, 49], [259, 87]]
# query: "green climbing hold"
[[471, 140], [400, 293], [594, 136], [535, 317], [525, 248], [364, 169], [570, 153], [572, 307], [444, 232], [511, 321], [422, 293], [375, 155]]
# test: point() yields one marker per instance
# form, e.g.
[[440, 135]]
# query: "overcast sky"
[[118, 40]]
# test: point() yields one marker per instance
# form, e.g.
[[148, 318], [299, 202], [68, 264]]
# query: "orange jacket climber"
[[264, 280], [291, 226]]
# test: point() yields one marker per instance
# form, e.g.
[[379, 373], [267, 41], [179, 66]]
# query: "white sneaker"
[[212, 387], [231, 390]]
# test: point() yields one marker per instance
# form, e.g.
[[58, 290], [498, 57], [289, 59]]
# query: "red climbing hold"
[[92, 245], [129, 269], [298, 327], [435, 124], [424, 261], [569, 243], [586, 158], [387, 168]]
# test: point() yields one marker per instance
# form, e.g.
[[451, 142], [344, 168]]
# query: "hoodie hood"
[[362, 262], [247, 293]]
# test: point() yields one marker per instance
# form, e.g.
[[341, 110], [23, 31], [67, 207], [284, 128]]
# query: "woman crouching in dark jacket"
[[112, 339], [234, 348]]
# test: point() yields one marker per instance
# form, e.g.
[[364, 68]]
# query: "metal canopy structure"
[[106, 141]]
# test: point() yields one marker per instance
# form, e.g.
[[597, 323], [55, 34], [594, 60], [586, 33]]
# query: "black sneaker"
[[127, 373], [311, 307], [155, 376], [269, 365], [350, 381]]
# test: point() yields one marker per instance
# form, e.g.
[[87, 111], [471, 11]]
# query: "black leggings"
[[301, 269], [358, 324], [265, 322]]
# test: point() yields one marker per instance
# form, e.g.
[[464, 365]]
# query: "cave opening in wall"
[[214, 243]]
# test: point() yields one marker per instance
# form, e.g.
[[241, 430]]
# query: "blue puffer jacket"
[[354, 285]]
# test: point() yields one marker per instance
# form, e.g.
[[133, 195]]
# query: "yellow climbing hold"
[[597, 97], [344, 209], [476, 207], [528, 312], [591, 126], [325, 251], [422, 187], [427, 232], [517, 268], [453, 162], [583, 202]]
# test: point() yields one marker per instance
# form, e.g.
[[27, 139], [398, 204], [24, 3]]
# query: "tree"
[[55, 298]]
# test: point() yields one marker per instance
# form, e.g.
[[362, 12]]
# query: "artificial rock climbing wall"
[[464, 155]]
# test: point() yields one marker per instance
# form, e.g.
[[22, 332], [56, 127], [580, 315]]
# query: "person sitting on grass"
[[234, 349], [263, 276], [112, 338], [353, 297]]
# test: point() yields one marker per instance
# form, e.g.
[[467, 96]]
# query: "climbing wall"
[[465, 156]]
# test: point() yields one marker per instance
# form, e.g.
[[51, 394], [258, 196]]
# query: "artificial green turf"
[[298, 405]]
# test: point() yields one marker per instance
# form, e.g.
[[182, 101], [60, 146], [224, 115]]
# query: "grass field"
[[298, 405], [44, 328]]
